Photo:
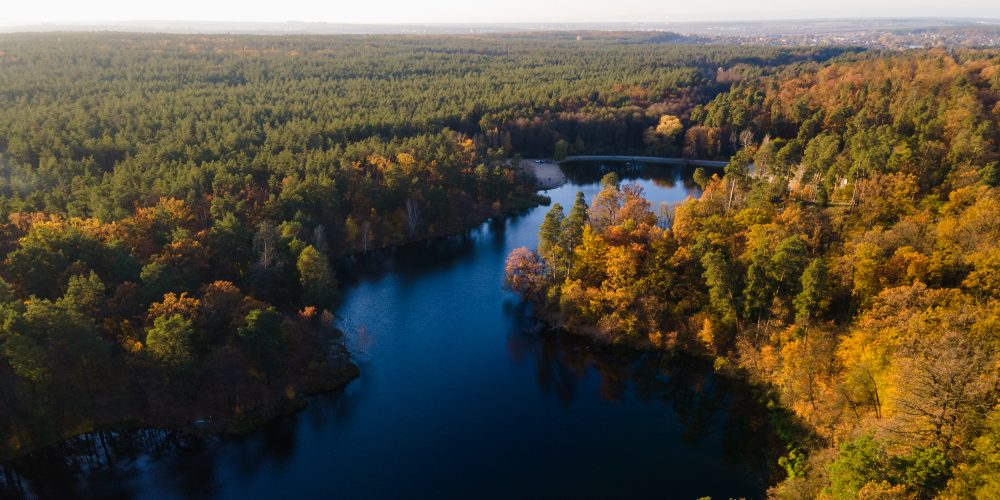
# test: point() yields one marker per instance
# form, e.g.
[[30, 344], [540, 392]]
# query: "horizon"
[[789, 26], [450, 12]]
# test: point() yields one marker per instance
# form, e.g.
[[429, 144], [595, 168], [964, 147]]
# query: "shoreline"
[[548, 173], [224, 425], [278, 408]]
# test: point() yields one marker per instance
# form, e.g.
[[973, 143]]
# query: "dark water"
[[456, 401]]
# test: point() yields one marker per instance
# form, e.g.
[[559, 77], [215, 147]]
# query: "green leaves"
[[262, 337], [317, 278], [864, 461], [168, 342]]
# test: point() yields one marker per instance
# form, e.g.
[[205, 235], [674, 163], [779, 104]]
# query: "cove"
[[457, 398]]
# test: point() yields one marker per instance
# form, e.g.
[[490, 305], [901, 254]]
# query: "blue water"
[[455, 400]]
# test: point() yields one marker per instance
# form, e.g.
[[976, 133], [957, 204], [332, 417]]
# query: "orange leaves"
[[524, 272], [171, 305], [184, 254]]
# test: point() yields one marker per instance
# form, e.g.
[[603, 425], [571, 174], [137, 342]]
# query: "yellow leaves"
[[707, 334], [905, 267], [172, 304], [868, 347], [751, 216], [687, 224], [622, 270], [669, 126], [656, 338], [580, 303], [985, 279], [289, 392], [987, 328], [886, 198], [180, 214], [132, 346], [407, 163], [866, 281]]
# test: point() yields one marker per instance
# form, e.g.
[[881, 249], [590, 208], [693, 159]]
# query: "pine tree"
[[548, 236]]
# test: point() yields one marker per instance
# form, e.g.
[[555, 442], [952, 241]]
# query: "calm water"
[[456, 401]]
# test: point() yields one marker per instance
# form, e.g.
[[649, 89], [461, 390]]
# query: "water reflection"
[[698, 397], [662, 175]]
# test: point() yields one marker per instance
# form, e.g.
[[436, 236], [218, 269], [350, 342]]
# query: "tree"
[[412, 214], [659, 140], [867, 284], [758, 291], [940, 386], [548, 236], [266, 271], [168, 341], [317, 280], [865, 464], [262, 338], [353, 232], [524, 273], [787, 264], [590, 258], [368, 226], [813, 291], [158, 279], [701, 178], [979, 477], [718, 278], [562, 148], [572, 226], [607, 204], [87, 294], [230, 244]]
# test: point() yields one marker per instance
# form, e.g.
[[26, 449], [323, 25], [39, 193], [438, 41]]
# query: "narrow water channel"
[[456, 400]]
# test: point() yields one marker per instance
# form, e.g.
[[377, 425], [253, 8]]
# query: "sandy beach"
[[549, 175]]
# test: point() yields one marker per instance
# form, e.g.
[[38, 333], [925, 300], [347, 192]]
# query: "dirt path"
[[549, 175]]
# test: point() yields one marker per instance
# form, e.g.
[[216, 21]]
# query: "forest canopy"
[[171, 204]]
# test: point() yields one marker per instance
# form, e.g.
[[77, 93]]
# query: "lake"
[[457, 398]]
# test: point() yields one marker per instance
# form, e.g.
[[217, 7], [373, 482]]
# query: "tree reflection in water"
[[698, 396], [663, 175]]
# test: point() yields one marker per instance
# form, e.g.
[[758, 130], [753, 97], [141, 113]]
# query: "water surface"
[[455, 400]]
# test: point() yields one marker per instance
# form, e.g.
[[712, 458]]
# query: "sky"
[[466, 11]]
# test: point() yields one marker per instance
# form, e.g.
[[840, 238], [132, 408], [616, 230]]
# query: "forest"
[[172, 205], [847, 260]]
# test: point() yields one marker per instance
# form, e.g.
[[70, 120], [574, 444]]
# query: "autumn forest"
[[173, 208], [847, 259]]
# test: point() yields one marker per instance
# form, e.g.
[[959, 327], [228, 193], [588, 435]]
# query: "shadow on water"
[[699, 398], [414, 260]]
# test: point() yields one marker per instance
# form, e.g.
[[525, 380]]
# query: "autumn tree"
[[318, 283]]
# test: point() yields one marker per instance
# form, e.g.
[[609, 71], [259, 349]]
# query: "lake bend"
[[459, 396]]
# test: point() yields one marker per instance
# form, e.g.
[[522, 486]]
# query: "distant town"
[[876, 33]]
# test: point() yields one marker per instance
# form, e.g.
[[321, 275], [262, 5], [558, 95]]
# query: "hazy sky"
[[473, 11]]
